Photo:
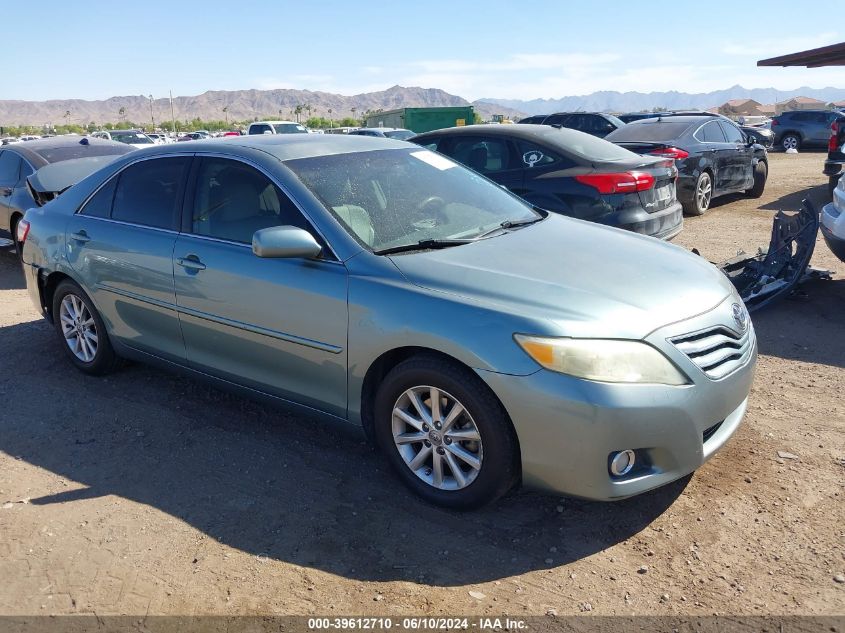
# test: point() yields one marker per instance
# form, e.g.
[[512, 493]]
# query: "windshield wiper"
[[422, 245], [510, 224]]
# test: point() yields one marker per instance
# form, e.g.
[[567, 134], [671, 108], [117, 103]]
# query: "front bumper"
[[567, 427], [833, 226]]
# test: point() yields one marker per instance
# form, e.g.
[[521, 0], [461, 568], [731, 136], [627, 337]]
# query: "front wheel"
[[701, 196], [82, 331], [761, 172], [445, 433]]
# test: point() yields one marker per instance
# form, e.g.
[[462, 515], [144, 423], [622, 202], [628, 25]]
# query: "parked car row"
[[474, 335]]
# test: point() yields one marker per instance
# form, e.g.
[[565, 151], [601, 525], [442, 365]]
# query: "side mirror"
[[750, 140], [285, 242]]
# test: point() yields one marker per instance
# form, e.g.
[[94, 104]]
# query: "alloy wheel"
[[790, 142], [703, 191], [78, 328], [437, 438]]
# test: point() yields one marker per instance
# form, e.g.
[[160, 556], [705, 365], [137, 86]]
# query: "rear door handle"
[[191, 262], [81, 237], [5, 192]]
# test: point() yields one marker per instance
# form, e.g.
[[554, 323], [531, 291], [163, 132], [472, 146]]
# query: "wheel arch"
[[47, 285], [384, 363]]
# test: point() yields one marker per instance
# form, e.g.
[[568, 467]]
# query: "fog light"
[[622, 462]]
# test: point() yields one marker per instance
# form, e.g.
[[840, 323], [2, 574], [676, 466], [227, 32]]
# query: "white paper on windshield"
[[435, 160]]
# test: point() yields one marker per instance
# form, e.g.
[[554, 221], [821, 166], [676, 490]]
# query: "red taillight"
[[22, 231], [623, 182], [834, 137], [674, 153]]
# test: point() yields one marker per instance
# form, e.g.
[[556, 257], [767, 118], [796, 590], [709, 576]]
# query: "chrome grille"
[[717, 351]]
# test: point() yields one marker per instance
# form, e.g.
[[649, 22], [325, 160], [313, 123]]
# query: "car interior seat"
[[478, 158]]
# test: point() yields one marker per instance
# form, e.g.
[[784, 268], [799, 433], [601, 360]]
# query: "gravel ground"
[[144, 493]]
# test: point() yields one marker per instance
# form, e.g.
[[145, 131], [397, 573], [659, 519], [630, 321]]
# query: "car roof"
[[286, 146], [273, 122], [527, 132], [384, 129], [32, 150]]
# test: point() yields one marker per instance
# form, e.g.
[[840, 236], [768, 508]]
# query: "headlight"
[[602, 359]]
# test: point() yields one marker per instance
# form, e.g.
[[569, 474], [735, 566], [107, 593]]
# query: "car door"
[[739, 157], [718, 153], [120, 245], [491, 156], [275, 325], [10, 169]]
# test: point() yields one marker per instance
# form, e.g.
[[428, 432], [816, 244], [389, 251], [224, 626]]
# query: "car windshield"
[[400, 135], [650, 130], [289, 128], [391, 198], [136, 138]]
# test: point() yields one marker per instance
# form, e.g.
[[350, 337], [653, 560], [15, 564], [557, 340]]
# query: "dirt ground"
[[144, 493]]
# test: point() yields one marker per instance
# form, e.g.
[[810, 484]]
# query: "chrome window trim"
[[205, 154]]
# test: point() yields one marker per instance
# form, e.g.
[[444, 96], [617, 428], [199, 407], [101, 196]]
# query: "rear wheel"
[[701, 196], [445, 433], [82, 331], [761, 172], [791, 141], [13, 229]]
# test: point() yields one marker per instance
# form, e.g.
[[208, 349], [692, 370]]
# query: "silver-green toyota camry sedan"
[[480, 342]]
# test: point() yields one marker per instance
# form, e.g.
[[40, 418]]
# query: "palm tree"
[[226, 112], [354, 110], [297, 111], [122, 113], [331, 122]]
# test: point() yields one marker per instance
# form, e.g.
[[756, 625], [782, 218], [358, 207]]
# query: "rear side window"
[[483, 155], [259, 129], [557, 119], [537, 119], [99, 205], [651, 130], [533, 155], [10, 169], [149, 192], [430, 144], [732, 133], [710, 133]]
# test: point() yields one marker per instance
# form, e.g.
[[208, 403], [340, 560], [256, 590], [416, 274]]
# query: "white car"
[[30, 137], [833, 221], [135, 138], [276, 127]]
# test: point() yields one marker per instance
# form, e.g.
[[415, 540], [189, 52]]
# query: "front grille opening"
[[717, 351], [710, 432]]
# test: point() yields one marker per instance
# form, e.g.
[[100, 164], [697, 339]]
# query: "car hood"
[[581, 278]]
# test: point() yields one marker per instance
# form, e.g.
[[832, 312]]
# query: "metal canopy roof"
[[833, 55]]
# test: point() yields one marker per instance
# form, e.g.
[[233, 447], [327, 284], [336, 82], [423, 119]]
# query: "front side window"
[[100, 204], [233, 200], [259, 129], [391, 198], [131, 138], [149, 192]]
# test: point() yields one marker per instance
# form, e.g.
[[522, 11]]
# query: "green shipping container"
[[421, 120]]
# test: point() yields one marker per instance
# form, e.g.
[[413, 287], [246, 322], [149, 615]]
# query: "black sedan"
[[570, 173], [596, 123], [713, 156], [80, 156]]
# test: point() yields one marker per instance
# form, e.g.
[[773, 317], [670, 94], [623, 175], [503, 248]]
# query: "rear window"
[[289, 128], [650, 130], [69, 152], [590, 147]]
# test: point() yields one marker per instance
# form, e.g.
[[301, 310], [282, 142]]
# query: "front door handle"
[[80, 237], [5, 192], [191, 262]]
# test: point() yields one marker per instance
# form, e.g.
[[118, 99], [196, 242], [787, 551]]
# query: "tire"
[[495, 453], [761, 173], [96, 357], [13, 231], [702, 195], [790, 140], [832, 181]]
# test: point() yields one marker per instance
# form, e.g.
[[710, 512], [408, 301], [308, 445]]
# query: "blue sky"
[[523, 50]]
